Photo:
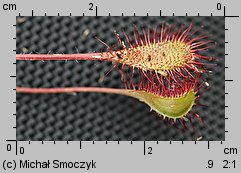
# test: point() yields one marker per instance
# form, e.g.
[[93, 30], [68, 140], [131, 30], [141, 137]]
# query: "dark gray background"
[[100, 116]]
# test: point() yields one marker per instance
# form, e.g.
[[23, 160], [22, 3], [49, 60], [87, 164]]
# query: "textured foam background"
[[102, 116]]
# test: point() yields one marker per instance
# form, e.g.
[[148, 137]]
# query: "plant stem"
[[73, 90], [88, 56]]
